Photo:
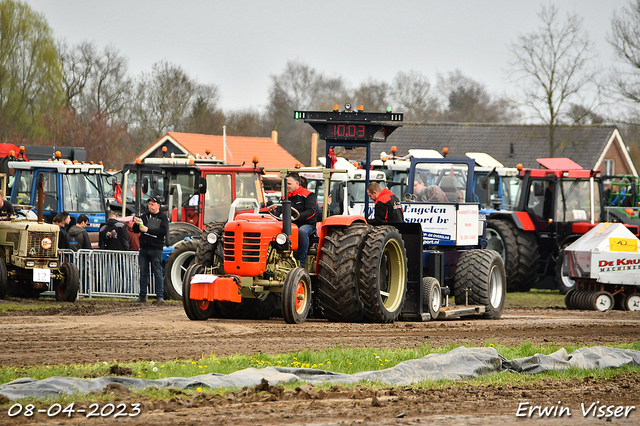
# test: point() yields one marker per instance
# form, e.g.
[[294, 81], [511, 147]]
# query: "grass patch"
[[336, 359], [8, 306], [535, 298]]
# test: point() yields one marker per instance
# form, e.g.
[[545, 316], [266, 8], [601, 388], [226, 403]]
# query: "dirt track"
[[95, 330]]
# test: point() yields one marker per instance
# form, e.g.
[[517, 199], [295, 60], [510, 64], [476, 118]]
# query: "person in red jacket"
[[387, 207], [304, 201]]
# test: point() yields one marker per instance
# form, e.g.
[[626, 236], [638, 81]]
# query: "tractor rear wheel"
[[196, 310], [383, 275], [296, 296], [482, 273], [177, 264], [4, 280], [66, 289], [338, 270], [431, 296], [205, 250], [500, 237], [178, 235]]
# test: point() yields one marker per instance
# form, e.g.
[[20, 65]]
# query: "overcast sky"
[[237, 45]]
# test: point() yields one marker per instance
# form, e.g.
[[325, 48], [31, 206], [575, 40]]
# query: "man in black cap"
[[152, 226]]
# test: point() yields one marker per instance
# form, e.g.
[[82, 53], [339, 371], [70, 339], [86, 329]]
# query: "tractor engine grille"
[[34, 249], [250, 243]]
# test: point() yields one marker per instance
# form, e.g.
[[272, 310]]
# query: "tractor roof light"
[[519, 166], [360, 108], [255, 161], [565, 174]]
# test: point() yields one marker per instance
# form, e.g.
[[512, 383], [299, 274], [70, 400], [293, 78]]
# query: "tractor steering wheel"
[[295, 214]]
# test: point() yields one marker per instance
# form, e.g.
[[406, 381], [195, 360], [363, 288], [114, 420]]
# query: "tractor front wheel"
[[296, 296], [431, 296], [66, 289], [196, 310]]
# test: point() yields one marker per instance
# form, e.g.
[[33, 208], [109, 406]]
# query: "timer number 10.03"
[[347, 131]]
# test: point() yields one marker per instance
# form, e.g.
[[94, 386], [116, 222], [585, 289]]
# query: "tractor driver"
[[304, 201], [387, 207]]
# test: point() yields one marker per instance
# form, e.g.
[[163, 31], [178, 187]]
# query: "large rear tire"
[[482, 272], [296, 296], [4, 280], [338, 270], [176, 266], [66, 289], [500, 237], [383, 275], [205, 250], [196, 310]]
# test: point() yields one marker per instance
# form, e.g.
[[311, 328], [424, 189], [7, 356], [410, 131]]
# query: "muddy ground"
[[94, 330]]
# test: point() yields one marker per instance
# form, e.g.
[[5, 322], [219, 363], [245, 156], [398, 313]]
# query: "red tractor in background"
[[555, 206]]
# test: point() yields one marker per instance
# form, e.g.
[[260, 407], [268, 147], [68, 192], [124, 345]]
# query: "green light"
[[388, 109]]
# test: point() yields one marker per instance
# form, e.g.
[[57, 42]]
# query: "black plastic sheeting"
[[459, 364]]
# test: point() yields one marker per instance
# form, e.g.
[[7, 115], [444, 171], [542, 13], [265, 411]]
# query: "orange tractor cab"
[[354, 272]]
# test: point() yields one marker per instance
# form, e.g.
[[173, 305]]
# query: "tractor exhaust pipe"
[[40, 189]]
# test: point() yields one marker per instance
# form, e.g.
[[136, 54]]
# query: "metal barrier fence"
[[106, 273]]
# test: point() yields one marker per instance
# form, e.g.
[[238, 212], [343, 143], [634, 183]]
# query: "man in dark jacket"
[[387, 207], [77, 236], [152, 226], [62, 236], [304, 201], [113, 234]]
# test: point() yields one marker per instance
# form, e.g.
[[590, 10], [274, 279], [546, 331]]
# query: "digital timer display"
[[349, 131]]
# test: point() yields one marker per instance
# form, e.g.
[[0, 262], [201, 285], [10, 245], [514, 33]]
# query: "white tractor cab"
[[396, 169], [503, 186], [348, 188]]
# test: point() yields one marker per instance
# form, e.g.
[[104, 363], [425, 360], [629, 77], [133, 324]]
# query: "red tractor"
[[555, 205], [355, 272]]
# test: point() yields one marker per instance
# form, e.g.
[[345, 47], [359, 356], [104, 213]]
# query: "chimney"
[[274, 136], [314, 150]]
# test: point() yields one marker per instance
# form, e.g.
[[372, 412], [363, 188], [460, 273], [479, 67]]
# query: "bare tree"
[[555, 65], [77, 63], [373, 95], [165, 99], [467, 101], [411, 92], [300, 87], [110, 88], [625, 40]]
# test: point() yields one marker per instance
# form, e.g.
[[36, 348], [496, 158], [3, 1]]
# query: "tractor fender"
[[521, 220], [184, 225]]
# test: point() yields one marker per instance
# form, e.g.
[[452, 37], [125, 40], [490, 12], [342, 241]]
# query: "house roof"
[[241, 149], [510, 144]]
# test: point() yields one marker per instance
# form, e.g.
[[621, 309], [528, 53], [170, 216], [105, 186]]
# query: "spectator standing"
[[113, 234], [152, 226], [6, 208], [78, 237], [62, 236], [387, 208]]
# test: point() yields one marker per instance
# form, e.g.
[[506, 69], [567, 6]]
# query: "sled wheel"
[[632, 302], [296, 296], [431, 296], [568, 299], [602, 301]]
